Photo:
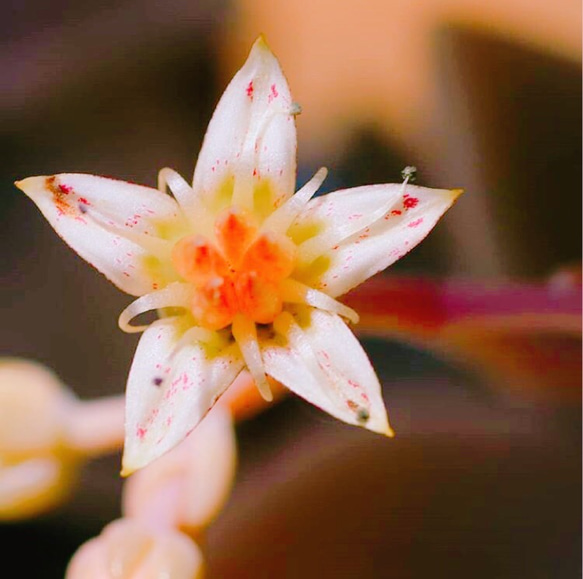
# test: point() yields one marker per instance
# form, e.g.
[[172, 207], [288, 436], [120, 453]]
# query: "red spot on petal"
[[273, 94], [411, 202], [249, 90]]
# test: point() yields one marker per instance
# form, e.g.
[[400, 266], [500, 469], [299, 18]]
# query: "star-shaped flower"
[[243, 273]]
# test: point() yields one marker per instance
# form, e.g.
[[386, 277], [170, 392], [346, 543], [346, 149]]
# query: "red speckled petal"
[[167, 396], [252, 136], [112, 224], [352, 246], [324, 363]]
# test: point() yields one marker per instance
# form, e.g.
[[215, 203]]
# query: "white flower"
[[243, 272]]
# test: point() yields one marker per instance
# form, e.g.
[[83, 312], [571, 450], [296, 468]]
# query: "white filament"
[[281, 219], [174, 295], [295, 292], [330, 378], [197, 334], [243, 186], [154, 245], [312, 248], [190, 202], [286, 326], [245, 334]]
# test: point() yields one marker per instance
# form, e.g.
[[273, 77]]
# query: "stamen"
[[174, 295], [408, 173], [282, 218], [295, 109], [286, 326], [293, 291], [244, 185], [190, 202], [314, 247], [245, 334], [154, 245], [197, 334]]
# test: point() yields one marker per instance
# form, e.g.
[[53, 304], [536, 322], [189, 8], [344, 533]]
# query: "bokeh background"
[[484, 477]]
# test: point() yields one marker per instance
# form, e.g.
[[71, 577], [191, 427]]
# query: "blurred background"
[[483, 479]]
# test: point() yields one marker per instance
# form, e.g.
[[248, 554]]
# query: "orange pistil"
[[242, 274], [234, 230]]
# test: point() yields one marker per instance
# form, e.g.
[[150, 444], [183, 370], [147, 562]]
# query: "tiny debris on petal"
[[362, 415]]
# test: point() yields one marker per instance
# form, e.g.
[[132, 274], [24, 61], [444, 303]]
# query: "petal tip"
[[261, 51], [28, 185], [131, 464], [457, 192], [261, 43], [382, 426], [125, 472], [127, 468]]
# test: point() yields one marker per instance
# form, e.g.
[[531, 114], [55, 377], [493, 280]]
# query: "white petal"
[[362, 231], [251, 139], [119, 228], [323, 362], [169, 392]]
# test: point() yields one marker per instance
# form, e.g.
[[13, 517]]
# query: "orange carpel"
[[235, 230], [241, 274], [272, 255], [258, 298], [215, 303], [196, 260]]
